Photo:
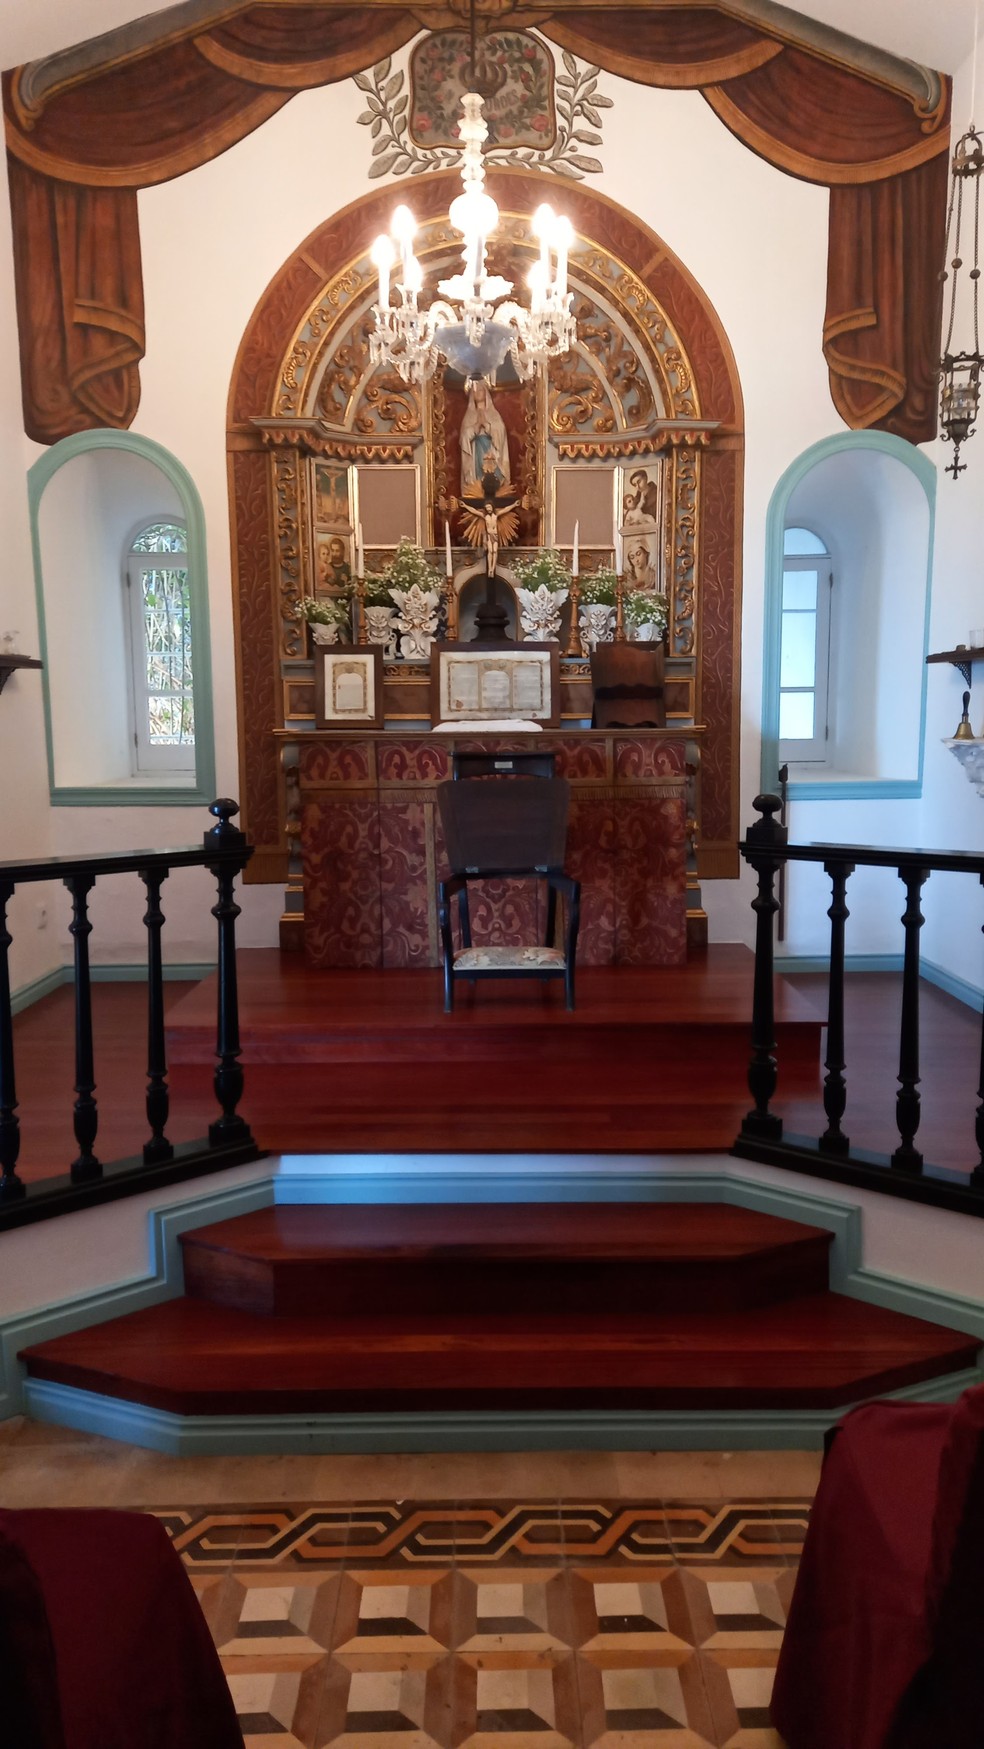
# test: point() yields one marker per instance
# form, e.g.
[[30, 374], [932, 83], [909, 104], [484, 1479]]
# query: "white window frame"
[[146, 759], [813, 750]]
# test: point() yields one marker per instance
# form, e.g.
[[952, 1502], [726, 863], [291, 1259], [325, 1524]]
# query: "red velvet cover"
[[136, 1666], [882, 1648]]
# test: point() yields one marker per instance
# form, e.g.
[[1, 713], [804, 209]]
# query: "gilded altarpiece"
[[648, 395]]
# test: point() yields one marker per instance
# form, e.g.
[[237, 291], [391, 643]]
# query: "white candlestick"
[[618, 553], [576, 555], [449, 568]]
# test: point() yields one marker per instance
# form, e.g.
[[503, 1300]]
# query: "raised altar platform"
[[652, 1059], [371, 846]]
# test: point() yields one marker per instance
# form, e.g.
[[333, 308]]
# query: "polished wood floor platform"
[[365, 1061], [718, 1308]]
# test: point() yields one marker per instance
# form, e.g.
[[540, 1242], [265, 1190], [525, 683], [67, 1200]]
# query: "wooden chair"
[[628, 686], [510, 826], [882, 1648]]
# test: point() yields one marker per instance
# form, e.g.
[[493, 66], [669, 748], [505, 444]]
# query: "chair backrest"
[[514, 827], [467, 763], [628, 686]]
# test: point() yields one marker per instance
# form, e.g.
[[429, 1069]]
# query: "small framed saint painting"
[[348, 687]]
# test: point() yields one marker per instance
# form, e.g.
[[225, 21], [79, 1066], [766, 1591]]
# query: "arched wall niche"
[[301, 386]]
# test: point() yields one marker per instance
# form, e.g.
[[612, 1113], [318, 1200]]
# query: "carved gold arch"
[[652, 372]]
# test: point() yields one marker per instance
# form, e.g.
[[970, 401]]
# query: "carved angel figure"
[[540, 612], [416, 621]]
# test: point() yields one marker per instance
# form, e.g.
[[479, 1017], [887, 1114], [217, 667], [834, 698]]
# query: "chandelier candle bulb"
[[382, 257], [564, 233]]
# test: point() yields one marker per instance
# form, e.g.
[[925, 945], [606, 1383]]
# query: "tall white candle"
[[360, 558], [576, 554], [449, 568], [618, 552]]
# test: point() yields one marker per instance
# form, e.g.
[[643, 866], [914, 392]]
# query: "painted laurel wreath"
[[578, 106]]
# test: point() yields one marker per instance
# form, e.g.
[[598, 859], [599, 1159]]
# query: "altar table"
[[372, 847]]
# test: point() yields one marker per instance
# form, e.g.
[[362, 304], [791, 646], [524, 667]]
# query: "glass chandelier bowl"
[[474, 324]]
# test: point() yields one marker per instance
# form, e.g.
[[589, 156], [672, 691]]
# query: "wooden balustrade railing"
[[224, 851], [901, 1169]]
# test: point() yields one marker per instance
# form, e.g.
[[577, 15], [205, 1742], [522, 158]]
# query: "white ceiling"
[[938, 33]]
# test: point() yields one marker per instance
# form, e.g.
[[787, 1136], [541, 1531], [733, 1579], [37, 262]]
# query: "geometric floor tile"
[[497, 1624]]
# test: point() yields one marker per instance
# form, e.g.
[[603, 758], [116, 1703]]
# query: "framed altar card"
[[348, 686], [501, 683]]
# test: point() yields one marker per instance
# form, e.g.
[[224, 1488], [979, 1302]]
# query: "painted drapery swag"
[[82, 141]]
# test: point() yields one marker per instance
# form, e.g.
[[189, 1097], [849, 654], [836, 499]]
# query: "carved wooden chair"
[[506, 826], [628, 686]]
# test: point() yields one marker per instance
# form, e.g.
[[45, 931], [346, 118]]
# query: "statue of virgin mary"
[[484, 440]]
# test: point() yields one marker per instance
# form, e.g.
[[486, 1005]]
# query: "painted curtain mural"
[[82, 138]]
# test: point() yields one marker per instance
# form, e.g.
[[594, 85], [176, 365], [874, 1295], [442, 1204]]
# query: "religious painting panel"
[[389, 505], [334, 564], [332, 497], [642, 512], [587, 496]]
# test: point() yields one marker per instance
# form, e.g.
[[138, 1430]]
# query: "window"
[[122, 591], [159, 624], [804, 647]]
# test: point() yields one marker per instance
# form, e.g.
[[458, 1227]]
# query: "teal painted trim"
[[571, 1430], [961, 988], [866, 789], [175, 972], [156, 795], [28, 994], [162, 1281], [853, 962], [379, 1183], [111, 796], [191, 973], [808, 789]]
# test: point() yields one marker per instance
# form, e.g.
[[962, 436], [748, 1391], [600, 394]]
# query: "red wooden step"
[[490, 1257], [189, 1357]]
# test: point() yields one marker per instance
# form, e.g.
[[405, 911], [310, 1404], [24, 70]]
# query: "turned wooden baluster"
[[158, 1099], [85, 1118], [833, 1140], [768, 840], [906, 1158], [11, 1187], [230, 1127]]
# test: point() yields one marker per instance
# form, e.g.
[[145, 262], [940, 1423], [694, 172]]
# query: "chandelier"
[[476, 330], [960, 372]]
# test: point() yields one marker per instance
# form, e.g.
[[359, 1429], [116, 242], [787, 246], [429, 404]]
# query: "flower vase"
[[596, 623], [540, 613]]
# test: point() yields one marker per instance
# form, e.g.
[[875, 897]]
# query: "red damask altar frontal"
[[373, 850]]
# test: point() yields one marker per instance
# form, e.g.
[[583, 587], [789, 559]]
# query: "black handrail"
[[224, 851], [767, 851]]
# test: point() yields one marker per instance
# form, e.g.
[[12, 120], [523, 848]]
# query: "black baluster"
[[768, 840], [906, 1158], [229, 1128], [833, 1140], [85, 1117], [11, 1187], [977, 1176], [158, 1100]]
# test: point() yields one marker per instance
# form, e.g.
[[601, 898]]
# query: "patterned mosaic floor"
[[496, 1625]]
